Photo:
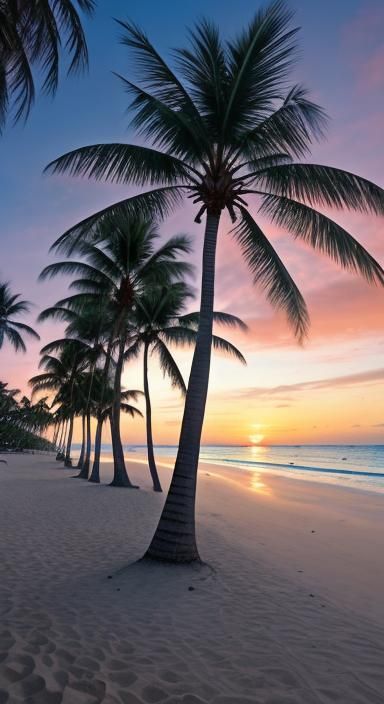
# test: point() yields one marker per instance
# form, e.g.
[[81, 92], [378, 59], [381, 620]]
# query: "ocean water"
[[355, 466]]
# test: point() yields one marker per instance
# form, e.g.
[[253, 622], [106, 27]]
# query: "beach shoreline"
[[287, 610]]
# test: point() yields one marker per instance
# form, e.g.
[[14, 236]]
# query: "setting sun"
[[256, 439]]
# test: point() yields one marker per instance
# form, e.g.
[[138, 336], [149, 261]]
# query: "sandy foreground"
[[289, 608]]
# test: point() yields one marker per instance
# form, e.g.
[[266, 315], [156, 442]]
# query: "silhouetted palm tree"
[[63, 375], [10, 307], [103, 397], [32, 37], [225, 127], [88, 328], [157, 321]]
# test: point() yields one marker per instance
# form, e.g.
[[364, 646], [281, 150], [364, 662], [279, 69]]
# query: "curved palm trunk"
[[148, 420], [84, 474], [175, 537], [82, 451], [95, 474], [68, 461], [120, 475]]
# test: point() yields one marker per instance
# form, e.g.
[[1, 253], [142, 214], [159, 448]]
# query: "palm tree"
[[103, 398], [157, 321], [119, 264], [10, 329], [63, 375], [223, 127], [88, 327], [32, 35]]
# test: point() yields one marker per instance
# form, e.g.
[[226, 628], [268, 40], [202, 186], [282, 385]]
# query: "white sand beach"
[[287, 610]]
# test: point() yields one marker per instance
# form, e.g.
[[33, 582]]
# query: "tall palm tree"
[[32, 36], [10, 307], [157, 321], [121, 261], [224, 127]]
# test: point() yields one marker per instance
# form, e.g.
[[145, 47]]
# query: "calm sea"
[[358, 466]]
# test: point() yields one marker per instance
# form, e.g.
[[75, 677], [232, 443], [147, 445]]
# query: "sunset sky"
[[329, 390]]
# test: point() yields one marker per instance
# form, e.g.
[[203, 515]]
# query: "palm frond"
[[25, 328], [171, 130], [222, 345], [71, 267], [15, 339], [132, 394], [227, 319], [324, 235], [291, 128], [204, 66], [63, 343], [164, 265], [56, 313], [179, 335], [323, 185], [259, 61], [270, 273], [121, 163], [169, 367], [32, 35], [133, 350], [131, 410], [153, 204]]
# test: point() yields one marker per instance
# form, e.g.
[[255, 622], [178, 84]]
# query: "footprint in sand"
[[169, 676], [124, 679], [17, 668], [152, 694]]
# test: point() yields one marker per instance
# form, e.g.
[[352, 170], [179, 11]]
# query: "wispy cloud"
[[371, 376]]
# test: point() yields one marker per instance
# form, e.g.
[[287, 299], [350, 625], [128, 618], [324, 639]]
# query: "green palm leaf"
[[25, 328], [131, 410], [323, 185], [270, 273], [172, 130], [290, 128], [33, 35], [323, 234], [259, 61], [224, 346], [169, 366], [121, 163], [227, 319], [15, 339], [204, 67], [152, 204]]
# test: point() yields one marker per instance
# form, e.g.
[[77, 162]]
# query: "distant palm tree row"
[[225, 129], [22, 422]]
